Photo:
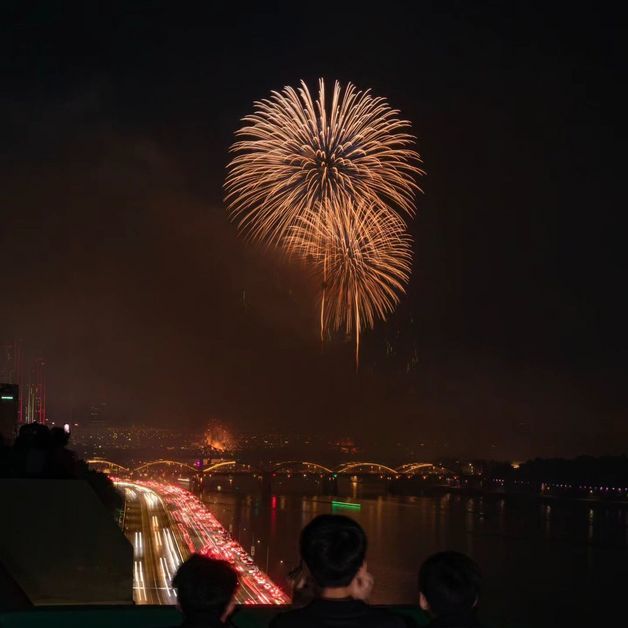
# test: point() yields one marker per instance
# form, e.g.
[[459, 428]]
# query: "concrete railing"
[[147, 616]]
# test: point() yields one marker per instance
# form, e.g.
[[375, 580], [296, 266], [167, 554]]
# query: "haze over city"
[[123, 270], [312, 315]]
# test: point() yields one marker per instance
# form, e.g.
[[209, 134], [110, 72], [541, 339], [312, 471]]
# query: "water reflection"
[[526, 548], [547, 513]]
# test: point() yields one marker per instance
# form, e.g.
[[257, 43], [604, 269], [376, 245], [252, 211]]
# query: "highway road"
[[156, 551], [166, 523]]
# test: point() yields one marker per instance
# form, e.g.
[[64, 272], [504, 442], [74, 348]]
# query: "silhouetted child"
[[205, 591], [449, 590]]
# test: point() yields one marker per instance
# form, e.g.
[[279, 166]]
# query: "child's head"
[[449, 584]]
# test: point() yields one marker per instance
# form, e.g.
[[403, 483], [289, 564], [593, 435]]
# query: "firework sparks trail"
[[298, 152], [364, 262]]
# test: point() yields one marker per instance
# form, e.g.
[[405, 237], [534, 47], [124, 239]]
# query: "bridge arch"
[[220, 465], [412, 468], [167, 463], [289, 464], [108, 463], [367, 467]]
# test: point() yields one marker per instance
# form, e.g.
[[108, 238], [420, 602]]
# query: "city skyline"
[[122, 269], [19, 368]]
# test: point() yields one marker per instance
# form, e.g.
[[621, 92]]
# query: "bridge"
[[287, 468]]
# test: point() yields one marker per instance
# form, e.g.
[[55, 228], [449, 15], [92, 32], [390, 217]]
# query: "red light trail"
[[179, 524]]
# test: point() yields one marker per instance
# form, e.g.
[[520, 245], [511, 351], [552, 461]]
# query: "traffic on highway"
[[165, 524]]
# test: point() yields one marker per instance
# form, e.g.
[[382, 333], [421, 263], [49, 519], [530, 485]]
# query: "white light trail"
[[187, 527]]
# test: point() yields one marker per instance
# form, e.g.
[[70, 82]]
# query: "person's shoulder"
[[288, 619], [384, 618], [311, 616]]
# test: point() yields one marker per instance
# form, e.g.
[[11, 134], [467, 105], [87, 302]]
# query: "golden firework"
[[297, 152], [328, 180], [363, 255]]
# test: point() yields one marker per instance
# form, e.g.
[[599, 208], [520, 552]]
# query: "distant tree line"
[[603, 470]]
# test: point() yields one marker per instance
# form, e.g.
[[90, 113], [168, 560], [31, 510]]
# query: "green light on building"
[[7, 398]]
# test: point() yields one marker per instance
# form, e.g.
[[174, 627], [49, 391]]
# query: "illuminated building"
[[11, 370], [9, 403], [35, 410]]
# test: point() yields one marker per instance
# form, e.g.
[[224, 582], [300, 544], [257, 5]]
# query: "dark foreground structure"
[[149, 617], [60, 545]]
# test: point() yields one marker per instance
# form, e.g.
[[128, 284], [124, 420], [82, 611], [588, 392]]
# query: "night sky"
[[120, 267]]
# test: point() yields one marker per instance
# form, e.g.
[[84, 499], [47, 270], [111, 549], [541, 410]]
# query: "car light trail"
[[139, 586], [138, 545], [175, 524]]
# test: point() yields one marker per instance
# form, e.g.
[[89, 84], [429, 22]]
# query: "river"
[[545, 563]]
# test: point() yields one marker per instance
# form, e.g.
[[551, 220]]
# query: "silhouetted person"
[[449, 590], [61, 462], [205, 591], [333, 549], [40, 453], [31, 450], [5, 461]]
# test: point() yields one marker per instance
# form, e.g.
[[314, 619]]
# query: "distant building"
[[97, 416], [35, 407], [11, 369], [9, 403]]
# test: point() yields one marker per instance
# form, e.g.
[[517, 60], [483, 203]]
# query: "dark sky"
[[119, 264]]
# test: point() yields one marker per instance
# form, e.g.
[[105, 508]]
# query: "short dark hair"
[[204, 585], [450, 582], [333, 547]]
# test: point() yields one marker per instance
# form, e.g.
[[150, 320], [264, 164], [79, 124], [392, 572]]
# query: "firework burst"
[[364, 263], [328, 180], [298, 152]]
